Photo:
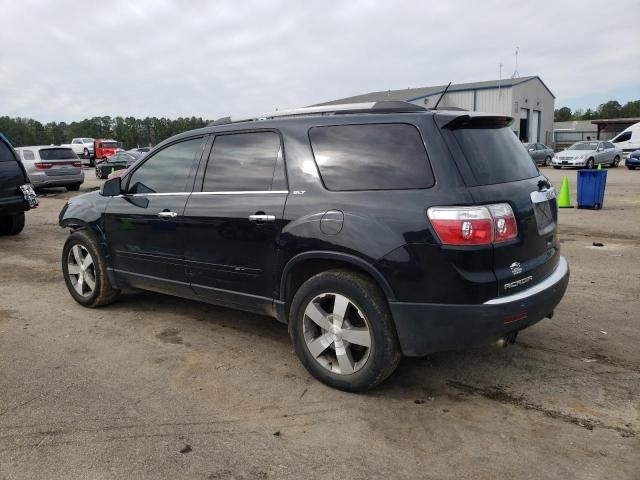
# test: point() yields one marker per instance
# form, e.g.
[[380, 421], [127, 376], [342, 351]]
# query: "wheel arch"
[[304, 265]]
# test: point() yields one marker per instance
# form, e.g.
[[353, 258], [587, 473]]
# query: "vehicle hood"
[[575, 153]]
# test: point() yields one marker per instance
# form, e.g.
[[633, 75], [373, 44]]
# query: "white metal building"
[[527, 99]]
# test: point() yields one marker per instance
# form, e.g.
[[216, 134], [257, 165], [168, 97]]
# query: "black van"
[[373, 230], [16, 193]]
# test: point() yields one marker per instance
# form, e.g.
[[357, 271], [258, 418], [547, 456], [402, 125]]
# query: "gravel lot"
[[159, 387]]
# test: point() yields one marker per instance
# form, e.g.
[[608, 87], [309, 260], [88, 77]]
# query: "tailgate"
[[534, 254]]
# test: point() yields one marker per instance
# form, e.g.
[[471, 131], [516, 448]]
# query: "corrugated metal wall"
[[494, 101]]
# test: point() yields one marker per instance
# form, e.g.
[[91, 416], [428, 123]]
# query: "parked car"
[[118, 173], [633, 160], [83, 147], [140, 150], [588, 154], [52, 167], [541, 154], [117, 161], [628, 140], [104, 148], [16, 193], [376, 231]]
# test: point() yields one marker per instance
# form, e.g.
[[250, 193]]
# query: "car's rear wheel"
[[85, 271], [86, 153], [12, 224], [74, 187], [343, 332], [590, 163], [616, 162], [547, 161]]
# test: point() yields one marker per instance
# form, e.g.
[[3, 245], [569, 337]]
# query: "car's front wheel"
[[12, 224], [590, 163], [85, 271], [342, 330], [547, 161]]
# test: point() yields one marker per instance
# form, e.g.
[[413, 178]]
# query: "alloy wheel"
[[336, 333], [81, 270]]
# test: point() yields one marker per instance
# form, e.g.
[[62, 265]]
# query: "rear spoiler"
[[475, 121]]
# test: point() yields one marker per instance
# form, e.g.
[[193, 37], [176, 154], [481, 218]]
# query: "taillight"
[[481, 225], [43, 165], [77, 164]]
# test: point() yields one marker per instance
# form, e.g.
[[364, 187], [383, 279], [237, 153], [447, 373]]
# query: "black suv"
[[372, 230], [16, 193]]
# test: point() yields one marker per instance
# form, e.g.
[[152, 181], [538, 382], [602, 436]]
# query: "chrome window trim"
[[167, 194]]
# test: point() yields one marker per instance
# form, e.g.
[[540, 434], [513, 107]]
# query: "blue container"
[[591, 184]]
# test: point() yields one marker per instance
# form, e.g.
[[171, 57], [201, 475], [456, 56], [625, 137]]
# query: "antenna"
[[516, 74], [500, 82], [435, 107]]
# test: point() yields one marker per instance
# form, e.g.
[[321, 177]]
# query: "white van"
[[628, 140]]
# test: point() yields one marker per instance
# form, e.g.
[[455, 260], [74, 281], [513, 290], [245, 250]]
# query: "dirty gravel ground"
[[159, 387]]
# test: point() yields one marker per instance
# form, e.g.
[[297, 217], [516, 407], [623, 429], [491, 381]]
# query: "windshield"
[[110, 144], [584, 146], [57, 154], [87, 140]]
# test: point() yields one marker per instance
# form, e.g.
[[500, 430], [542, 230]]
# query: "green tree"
[[562, 115], [631, 109], [611, 109]]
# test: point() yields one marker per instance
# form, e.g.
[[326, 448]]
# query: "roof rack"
[[342, 109]]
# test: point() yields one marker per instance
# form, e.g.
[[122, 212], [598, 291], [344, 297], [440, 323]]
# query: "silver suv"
[[52, 166]]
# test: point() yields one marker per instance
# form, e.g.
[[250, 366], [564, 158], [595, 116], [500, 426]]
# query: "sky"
[[69, 60]]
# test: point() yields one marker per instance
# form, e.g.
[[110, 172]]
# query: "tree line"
[[610, 109], [129, 131]]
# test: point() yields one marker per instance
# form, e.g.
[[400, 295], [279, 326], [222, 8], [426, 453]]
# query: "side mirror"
[[111, 187], [531, 149]]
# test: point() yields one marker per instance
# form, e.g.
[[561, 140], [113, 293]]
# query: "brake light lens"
[[43, 165], [481, 225], [77, 164]]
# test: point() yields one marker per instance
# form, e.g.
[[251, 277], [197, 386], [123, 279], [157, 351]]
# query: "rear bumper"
[[43, 180], [425, 328]]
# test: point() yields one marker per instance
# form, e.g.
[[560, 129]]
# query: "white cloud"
[[71, 60]]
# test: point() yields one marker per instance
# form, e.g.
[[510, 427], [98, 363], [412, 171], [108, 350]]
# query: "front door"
[[233, 224], [144, 226]]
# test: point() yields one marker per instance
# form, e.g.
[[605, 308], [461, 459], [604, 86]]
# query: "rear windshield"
[[57, 154], [371, 157], [495, 155], [110, 144]]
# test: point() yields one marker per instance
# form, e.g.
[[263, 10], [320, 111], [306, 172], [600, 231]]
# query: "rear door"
[[233, 222], [497, 169]]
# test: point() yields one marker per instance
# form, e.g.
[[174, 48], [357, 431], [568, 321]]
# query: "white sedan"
[[588, 154]]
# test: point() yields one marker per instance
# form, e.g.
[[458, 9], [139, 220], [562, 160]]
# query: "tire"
[[547, 162], [557, 167], [86, 153], [590, 164], [74, 187], [99, 174], [631, 168], [616, 162], [12, 224], [102, 292], [92, 161], [366, 312]]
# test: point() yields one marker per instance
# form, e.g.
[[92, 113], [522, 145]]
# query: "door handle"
[[261, 218], [167, 214]]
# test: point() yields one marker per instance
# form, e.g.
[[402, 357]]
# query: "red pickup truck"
[[104, 148]]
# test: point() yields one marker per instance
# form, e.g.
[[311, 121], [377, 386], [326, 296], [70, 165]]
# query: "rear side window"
[[494, 155], [371, 157], [28, 155], [57, 154], [242, 162]]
